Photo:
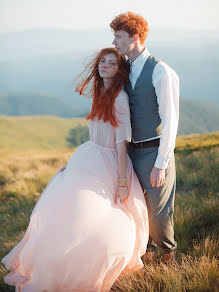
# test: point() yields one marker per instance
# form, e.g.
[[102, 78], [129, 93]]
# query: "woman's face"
[[108, 66]]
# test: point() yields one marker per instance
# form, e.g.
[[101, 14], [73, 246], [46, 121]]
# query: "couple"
[[91, 222]]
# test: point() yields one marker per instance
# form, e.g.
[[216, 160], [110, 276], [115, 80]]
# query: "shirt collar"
[[141, 59]]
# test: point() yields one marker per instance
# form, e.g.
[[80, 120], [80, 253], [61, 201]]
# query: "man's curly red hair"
[[103, 100], [131, 23]]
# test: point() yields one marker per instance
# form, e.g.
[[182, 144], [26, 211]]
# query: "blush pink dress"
[[78, 239]]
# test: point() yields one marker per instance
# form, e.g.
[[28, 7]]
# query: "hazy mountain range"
[[37, 68], [195, 117]]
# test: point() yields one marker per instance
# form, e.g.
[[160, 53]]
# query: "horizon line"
[[194, 29]]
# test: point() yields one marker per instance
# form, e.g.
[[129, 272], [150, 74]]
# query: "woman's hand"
[[63, 168], [122, 194]]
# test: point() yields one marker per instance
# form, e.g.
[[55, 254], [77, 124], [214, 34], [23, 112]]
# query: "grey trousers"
[[160, 201]]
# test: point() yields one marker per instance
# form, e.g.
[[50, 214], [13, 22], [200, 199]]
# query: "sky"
[[18, 15]]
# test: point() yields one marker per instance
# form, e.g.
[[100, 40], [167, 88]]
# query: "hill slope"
[[36, 132], [48, 132], [24, 175]]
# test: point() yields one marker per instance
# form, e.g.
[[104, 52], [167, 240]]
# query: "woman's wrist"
[[123, 182]]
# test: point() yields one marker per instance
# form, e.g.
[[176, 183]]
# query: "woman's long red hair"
[[103, 101]]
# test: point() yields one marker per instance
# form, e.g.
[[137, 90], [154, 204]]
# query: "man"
[[153, 91]]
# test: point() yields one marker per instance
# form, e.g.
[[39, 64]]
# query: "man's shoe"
[[148, 257], [169, 258]]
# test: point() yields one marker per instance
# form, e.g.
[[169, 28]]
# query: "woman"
[[90, 223]]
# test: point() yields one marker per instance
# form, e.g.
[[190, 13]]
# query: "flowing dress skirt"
[[78, 238]]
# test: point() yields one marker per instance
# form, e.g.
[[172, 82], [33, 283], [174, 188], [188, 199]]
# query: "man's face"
[[123, 42]]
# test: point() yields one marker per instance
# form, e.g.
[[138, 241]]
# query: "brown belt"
[[145, 144]]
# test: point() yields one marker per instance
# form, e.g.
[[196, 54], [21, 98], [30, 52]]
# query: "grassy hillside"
[[197, 142], [36, 132], [49, 132], [25, 173], [195, 117]]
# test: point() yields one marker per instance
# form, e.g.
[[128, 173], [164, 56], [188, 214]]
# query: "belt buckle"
[[134, 145], [141, 145]]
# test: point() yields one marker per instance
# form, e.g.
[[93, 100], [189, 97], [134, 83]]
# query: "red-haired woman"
[[90, 223]]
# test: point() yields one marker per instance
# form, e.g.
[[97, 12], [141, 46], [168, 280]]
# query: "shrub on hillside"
[[78, 135]]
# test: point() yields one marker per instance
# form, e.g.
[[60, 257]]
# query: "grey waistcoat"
[[145, 119]]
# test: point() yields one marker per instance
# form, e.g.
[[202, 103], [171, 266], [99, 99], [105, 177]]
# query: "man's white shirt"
[[166, 84]]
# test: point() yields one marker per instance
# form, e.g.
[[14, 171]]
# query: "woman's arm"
[[122, 192], [123, 135]]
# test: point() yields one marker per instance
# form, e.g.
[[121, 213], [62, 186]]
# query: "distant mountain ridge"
[[195, 117], [28, 104], [37, 68], [49, 132], [47, 61], [198, 117]]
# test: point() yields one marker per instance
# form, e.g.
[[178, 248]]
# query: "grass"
[[24, 175], [197, 142], [188, 274], [36, 132], [49, 132]]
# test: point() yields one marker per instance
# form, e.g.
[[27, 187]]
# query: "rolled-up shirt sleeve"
[[166, 84], [123, 131]]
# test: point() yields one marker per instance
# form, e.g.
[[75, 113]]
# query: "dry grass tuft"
[[188, 273]]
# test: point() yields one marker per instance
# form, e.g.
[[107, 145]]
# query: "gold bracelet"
[[123, 182]]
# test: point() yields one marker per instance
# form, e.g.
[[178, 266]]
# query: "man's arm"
[[166, 84]]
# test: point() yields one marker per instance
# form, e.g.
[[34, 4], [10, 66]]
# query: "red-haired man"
[[153, 91]]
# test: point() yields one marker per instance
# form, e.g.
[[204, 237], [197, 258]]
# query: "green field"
[[25, 169], [36, 132], [49, 132]]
